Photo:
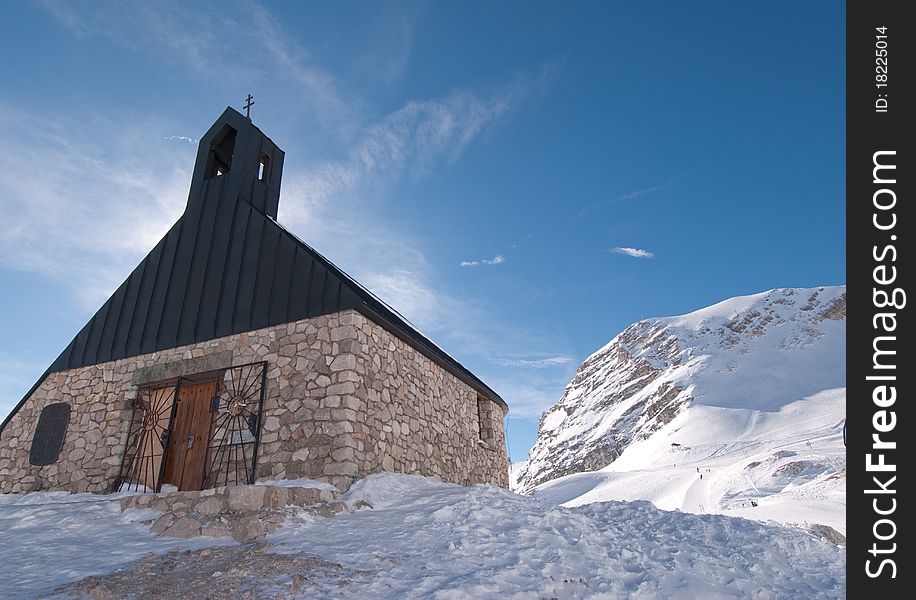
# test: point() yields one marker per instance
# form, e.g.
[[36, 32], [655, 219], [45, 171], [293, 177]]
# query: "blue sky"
[[520, 180]]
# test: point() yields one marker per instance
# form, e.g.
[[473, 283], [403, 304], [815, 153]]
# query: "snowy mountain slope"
[[754, 379], [411, 537], [516, 469], [790, 463]]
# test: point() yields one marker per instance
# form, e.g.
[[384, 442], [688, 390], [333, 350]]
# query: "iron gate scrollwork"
[[235, 426], [148, 439]]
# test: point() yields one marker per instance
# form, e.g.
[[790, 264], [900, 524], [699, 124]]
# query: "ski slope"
[[791, 463]]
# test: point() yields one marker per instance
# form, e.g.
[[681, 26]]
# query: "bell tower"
[[236, 161]]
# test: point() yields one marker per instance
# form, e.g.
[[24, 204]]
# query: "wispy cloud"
[[529, 396], [81, 205], [241, 44], [536, 363], [496, 260], [181, 138], [634, 252], [385, 49], [411, 141], [525, 240], [649, 190], [336, 203], [630, 195]]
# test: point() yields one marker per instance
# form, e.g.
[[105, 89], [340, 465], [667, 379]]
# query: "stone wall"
[[418, 418], [343, 398]]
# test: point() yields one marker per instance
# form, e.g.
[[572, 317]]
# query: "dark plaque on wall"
[[49, 434]]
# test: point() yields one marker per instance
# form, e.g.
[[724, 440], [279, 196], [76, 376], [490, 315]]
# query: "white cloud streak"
[[637, 193], [634, 252], [496, 260], [181, 138], [530, 395], [386, 47], [411, 141], [333, 200], [535, 363], [629, 196], [241, 44], [337, 201], [80, 205]]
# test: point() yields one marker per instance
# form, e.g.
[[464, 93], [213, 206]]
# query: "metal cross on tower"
[[249, 101]]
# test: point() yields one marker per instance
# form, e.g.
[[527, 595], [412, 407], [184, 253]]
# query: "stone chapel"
[[235, 352]]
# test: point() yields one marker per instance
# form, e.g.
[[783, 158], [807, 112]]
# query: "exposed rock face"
[[652, 371], [621, 385], [829, 533]]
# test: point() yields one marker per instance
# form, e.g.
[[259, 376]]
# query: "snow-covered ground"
[[50, 538], [411, 537], [302, 482]]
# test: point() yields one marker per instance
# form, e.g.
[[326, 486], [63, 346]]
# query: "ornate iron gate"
[[148, 439], [235, 426]]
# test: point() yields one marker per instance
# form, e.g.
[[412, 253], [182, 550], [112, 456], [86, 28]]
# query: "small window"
[[49, 434], [485, 430], [219, 160], [263, 172]]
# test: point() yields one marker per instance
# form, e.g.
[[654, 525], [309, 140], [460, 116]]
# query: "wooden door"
[[187, 462]]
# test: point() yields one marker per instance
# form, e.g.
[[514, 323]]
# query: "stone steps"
[[243, 512]]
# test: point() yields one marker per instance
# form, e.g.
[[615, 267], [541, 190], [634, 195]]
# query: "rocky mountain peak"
[[749, 352]]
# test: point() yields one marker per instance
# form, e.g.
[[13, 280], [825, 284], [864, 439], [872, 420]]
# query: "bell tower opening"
[[263, 167], [219, 159], [251, 163]]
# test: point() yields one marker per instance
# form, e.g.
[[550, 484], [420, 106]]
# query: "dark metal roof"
[[227, 267]]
